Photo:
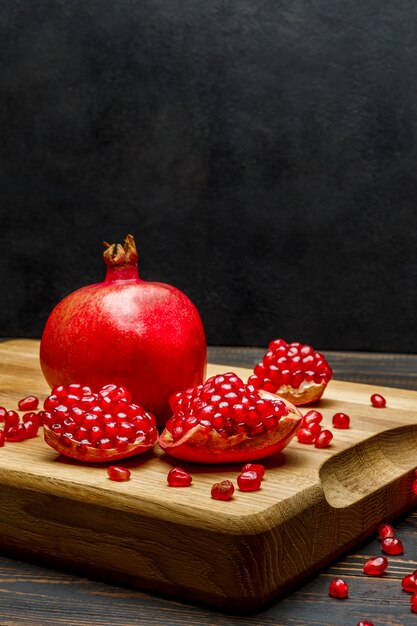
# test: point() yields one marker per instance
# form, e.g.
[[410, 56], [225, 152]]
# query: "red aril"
[[385, 530], [323, 439], [254, 467], [413, 605], [118, 473], [338, 588], [312, 417], [226, 421], [77, 427], [249, 481], [178, 477], [409, 583], [305, 435], [11, 419], [414, 487], [146, 336], [365, 623], [223, 490], [378, 401], [314, 428], [1, 438], [3, 412], [392, 545], [375, 566], [293, 371], [341, 420], [30, 403]]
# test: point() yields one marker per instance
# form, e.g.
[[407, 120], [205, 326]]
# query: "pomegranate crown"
[[116, 254]]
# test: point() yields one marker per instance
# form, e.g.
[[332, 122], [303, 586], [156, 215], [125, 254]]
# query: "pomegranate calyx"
[[117, 255]]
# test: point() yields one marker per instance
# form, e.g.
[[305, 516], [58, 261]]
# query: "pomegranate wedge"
[[225, 420]]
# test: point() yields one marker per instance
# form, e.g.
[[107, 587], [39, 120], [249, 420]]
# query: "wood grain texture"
[[247, 530]]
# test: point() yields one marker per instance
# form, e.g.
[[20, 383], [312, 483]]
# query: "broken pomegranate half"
[[97, 427], [292, 370], [225, 420]]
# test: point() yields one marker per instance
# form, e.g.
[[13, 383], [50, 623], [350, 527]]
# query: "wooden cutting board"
[[314, 504]]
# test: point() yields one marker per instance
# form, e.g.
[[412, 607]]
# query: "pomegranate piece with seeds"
[[178, 477], [118, 473], [30, 403], [338, 588], [378, 401], [391, 545], [375, 566], [96, 427], [292, 370], [223, 490], [225, 420]]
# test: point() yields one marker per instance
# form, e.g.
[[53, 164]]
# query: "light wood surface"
[[313, 505]]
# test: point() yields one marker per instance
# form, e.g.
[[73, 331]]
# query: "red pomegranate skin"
[[146, 336]]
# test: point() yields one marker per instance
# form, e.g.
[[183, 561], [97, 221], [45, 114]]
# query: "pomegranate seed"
[[315, 428], [16, 433], [409, 583], [338, 588], [11, 419], [2, 438], [392, 545], [312, 417], [414, 487], [413, 605], [118, 473], [249, 481], [305, 435], [223, 490], [375, 566], [365, 623], [177, 477], [254, 467], [378, 401], [341, 420], [323, 439], [385, 530], [3, 412]]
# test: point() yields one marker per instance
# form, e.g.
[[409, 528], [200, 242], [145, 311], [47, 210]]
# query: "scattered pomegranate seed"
[[11, 419], [385, 530], [177, 477], [409, 582], [338, 588], [378, 401], [414, 487], [365, 623], [413, 606], [254, 467], [15, 433], [305, 435], [223, 490], [249, 481], [392, 545], [323, 439], [315, 428], [30, 403], [1, 438], [312, 417], [375, 566], [341, 420], [118, 473], [3, 412]]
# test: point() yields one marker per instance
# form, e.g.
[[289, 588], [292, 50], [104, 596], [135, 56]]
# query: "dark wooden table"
[[34, 595]]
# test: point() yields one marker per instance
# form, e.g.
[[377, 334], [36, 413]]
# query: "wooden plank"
[[180, 541]]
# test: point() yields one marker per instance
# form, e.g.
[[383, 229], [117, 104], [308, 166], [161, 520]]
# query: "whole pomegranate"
[[142, 335]]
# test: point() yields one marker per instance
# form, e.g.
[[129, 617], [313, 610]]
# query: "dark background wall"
[[264, 153]]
